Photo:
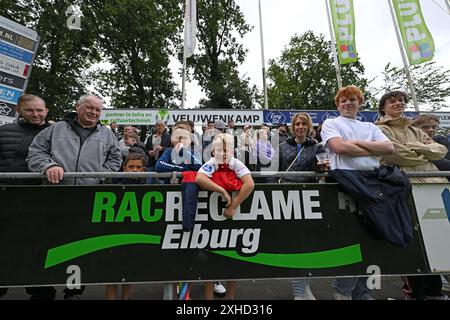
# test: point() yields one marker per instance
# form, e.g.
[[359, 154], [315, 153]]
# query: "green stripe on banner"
[[314, 260], [417, 40], [343, 17], [80, 248]]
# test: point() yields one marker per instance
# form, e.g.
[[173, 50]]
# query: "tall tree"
[[215, 66], [137, 38], [431, 83], [58, 73], [304, 76], [14, 10]]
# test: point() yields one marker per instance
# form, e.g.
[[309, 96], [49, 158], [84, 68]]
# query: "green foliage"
[[137, 39], [431, 83], [304, 76], [134, 38], [58, 73], [220, 25]]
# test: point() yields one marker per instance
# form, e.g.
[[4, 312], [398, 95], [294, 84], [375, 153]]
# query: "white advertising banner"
[[444, 118], [240, 117], [170, 116], [18, 28], [14, 67], [6, 120], [433, 211]]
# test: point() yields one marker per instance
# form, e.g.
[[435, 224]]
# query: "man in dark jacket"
[[156, 144], [429, 123], [15, 139]]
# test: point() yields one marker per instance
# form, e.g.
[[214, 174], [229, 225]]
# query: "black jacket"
[[444, 163], [165, 143], [139, 147], [15, 139], [305, 162], [383, 196]]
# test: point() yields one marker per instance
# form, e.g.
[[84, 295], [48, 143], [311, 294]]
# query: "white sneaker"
[[340, 296], [308, 295], [219, 289]]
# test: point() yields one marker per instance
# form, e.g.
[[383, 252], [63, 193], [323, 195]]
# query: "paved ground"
[[246, 290]]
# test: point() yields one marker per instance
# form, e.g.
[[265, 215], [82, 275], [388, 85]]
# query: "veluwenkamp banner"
[[344, 29], [417, 40]]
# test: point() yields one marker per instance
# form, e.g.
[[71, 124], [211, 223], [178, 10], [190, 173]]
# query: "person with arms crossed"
[[353, 145]]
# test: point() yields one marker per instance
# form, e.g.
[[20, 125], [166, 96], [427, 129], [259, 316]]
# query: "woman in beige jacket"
[[414, 150]]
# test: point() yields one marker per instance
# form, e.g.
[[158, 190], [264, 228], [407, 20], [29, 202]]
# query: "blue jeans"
[[299, 286], [156, 180], [353, 287]]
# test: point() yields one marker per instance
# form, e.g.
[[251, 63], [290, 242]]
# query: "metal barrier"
[[280, 231], [264, 174]]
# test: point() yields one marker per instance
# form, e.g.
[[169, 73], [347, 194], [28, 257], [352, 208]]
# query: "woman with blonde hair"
[[298, 153]]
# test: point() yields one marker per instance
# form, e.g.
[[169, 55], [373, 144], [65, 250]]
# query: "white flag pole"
[[183, 83], [266, 103], [333, 47], [405, 60], [190, 41], [447, 3]]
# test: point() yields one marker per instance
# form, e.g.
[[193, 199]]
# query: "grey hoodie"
[[60, 145]]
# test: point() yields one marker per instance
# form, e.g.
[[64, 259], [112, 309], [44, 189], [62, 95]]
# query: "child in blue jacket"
[[181, 157]]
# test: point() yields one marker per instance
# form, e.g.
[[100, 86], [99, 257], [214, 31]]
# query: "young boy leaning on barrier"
[[182, 158], [134, 162], [224, 173]]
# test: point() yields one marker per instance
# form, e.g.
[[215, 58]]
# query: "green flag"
[[344, 29], [417, 40]]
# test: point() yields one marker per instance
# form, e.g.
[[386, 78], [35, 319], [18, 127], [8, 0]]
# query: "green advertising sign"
[[134, 233], [417, 40], [344, 29]]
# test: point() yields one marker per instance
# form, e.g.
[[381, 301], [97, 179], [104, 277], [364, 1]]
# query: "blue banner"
[[9, 95], [285, 116], [16, 53]]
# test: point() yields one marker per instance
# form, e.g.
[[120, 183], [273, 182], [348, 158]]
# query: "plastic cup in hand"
[[321, 158]]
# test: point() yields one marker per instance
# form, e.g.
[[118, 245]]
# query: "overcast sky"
[[376, 41]]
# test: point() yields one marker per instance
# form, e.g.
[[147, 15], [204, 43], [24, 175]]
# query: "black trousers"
[[71, 292], [36, 293], [423, 286]]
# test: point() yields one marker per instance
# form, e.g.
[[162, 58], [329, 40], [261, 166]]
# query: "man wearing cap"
[[220, 125]]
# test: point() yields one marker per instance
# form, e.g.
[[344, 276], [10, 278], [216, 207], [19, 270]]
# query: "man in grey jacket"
[[79, 143]]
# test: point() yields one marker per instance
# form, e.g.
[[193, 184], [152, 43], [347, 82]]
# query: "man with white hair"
[[78, 143], [88, 146]]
